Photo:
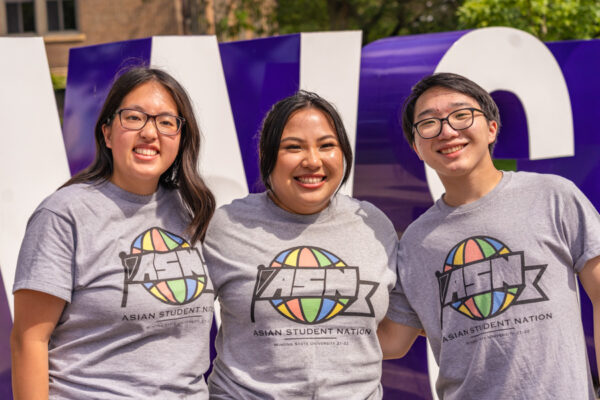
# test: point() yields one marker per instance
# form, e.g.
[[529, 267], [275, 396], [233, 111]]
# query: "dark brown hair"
[[274, 124], [183, 173]]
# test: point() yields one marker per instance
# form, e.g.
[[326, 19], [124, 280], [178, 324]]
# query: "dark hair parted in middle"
[[183, 173], [454, 82], [278, 116]]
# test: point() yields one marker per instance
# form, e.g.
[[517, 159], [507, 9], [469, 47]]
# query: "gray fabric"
[[117, 339], [534, 347], [275, 357]]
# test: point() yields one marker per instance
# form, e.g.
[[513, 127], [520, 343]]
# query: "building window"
[[20, 16], [61, 15]]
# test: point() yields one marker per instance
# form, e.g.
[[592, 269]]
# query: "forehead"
[[309, 120], [149, 94], [440, 100]]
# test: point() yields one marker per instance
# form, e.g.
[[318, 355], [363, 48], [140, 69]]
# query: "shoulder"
[[249, 204], [416, 230], [363, 209], [237, 211], [67, 198], [539, 181]]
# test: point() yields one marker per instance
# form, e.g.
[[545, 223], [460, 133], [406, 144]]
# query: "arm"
[[36, 315], [590, 279], [395, 339]]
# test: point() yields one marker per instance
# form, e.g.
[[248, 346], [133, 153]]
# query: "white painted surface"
[[33, 161], [330, 66], [195, 62], [501, 58]]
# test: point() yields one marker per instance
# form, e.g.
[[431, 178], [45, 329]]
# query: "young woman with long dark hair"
[[112, 299]]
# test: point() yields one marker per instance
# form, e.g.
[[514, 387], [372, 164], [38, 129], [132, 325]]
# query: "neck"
[[464, 190], [140, 188]]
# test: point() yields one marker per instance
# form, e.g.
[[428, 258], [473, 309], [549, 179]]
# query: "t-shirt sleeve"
[[400, 310], [580, 225], [218, 243], [46, 258]]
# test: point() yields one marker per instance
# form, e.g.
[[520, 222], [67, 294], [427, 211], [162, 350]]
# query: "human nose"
[[150, 129], [312, 158], [446, 130]]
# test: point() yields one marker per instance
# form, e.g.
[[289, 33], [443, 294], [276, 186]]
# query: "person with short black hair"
[[489, 272]]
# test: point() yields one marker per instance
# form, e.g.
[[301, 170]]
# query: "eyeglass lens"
[[135, 120], [459, 119]]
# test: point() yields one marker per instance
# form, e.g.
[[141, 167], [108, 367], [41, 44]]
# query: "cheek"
[[335, 157], [171, 145]]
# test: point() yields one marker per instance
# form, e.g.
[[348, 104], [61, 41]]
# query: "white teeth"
[[452, 149], [310, 180], [145, 152]]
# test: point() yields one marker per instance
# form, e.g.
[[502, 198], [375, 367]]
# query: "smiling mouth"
[[310, 180], [146, 152], [452, 149]]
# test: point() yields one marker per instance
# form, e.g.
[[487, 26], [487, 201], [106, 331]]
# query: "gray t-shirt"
[[493, 285], [139, 301], [301, 297]]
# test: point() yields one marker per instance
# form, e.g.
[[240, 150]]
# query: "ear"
[[414, 146], [492, 131], [106, 131]]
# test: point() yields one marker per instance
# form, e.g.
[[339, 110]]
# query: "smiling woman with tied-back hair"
[[111, 259], [302, 272]]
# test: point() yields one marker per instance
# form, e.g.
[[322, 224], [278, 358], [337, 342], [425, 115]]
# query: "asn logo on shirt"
[[482, 278], [167, 267], [310, 285]]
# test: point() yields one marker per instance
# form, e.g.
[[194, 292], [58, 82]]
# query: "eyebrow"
[[431, 110], [297, 139], [140, 108]]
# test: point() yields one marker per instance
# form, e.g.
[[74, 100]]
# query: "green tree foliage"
[[548, 20], [237, 16], [376, 18]]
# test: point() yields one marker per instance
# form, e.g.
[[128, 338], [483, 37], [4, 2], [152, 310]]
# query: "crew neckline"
[[114, 190], [490, 196], [320, 216]]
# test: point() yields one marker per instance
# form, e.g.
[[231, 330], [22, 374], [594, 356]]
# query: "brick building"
[[69, 23], [72, 23]]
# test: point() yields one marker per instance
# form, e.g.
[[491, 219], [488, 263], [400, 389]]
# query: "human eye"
[[427, 123], [329, 145], [168, 121], [292, 147], [131, 115], [461, 115]]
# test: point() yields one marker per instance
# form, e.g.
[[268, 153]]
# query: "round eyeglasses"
[[458, 120], [166, 124]]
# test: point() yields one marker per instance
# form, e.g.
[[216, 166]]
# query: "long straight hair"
[[183, 173]]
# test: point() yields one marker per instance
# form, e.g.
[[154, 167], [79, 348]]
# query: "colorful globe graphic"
[[173, 291], [309, 310], [484, 305]]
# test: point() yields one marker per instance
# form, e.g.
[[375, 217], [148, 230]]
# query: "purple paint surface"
[[387, 172], [258, 74], [513, 137], [5, 328], [92, 70], [389, 68]]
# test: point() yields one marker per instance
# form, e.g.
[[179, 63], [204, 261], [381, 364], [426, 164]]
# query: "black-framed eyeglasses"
[[166, 124], [463, 118]]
